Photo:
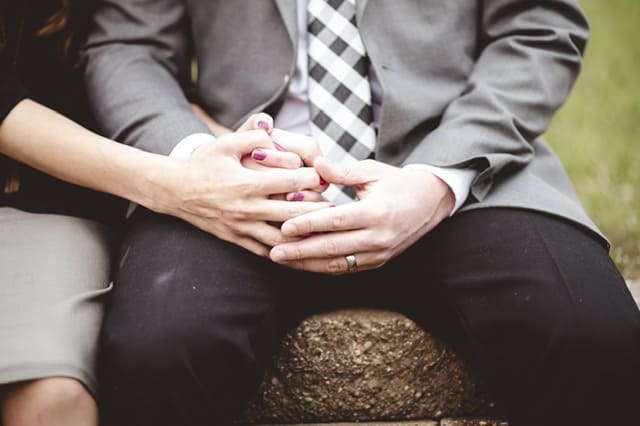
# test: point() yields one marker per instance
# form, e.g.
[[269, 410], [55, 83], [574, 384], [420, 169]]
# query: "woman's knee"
[[50, 401]]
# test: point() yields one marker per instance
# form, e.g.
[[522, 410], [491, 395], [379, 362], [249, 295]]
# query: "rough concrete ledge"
[[443, 422], [472, 422], [371, 366], [367, 365]]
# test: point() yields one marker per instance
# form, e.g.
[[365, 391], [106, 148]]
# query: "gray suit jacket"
[[468, 83]]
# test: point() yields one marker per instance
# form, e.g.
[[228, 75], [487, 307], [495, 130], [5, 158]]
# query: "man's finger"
[[350, 174], [275, 158], [334, 266], [264, 233], [281, 210], [324, 246], [305, 196], [282, 181], [340, 218], [306, 147]]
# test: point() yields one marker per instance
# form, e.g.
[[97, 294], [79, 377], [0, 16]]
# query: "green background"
[[596, 132]]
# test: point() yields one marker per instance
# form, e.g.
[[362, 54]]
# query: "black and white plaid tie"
[[339, 90]]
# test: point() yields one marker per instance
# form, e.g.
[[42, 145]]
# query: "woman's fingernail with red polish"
[[298, 196], [259, 155], [279, 147], [322, 181], [263, 125]]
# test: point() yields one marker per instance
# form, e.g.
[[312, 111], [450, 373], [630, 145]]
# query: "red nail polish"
[[259, 155], [279, 147], [263, 125], [322, 181], [297, 197]]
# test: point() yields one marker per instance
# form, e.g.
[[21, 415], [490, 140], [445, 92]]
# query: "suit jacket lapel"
[[288, 11], [360, 6]]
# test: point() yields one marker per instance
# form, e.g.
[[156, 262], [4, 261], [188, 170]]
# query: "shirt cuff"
[[186, 146], [459, 180]]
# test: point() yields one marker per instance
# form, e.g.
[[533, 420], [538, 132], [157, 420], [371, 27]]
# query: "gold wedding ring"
[[352, 263]]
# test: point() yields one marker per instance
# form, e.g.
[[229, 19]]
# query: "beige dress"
[[54, 274]]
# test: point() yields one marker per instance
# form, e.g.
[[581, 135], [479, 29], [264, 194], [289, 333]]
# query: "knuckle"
[[264, 138], [343, 171], [238, 214], [384, 240], [237, 210], [331, 248], [335, 267], [273, 239], [298, 255], [304, 227], [294, 181], [378, 241], [337, 222], [233, 228], [313, 150], [378, 212], [293, 210], [293, 160], [243, 187], [277, 239], [380, 262], [260, 137]]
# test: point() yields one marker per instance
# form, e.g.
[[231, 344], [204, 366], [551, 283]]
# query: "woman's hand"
[[397, 207], [289, 151], [215, 192]]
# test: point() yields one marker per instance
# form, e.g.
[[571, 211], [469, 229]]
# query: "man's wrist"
[[459, 180], [186, 146]]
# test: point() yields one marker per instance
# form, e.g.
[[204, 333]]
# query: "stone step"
[[443, 422], [366, 365], [418, 423], [375, 366]]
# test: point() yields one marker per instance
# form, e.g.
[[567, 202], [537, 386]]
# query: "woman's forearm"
[[51, 143]]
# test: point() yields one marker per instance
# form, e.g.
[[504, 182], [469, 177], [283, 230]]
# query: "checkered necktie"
[[339, 90]]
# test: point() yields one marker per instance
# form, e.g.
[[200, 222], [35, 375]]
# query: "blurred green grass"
[[597, 132]]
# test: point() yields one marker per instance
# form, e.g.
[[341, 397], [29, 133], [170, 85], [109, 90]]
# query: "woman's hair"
[[58, 28], [58, 21]]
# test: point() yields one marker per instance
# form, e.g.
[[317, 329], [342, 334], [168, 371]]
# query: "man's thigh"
[[169, 271], [535, 302], [190, 326]]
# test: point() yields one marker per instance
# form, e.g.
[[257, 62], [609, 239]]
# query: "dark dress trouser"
[[532, 300]]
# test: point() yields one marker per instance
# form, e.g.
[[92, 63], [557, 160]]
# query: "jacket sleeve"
[[11, 90], [137, 63], [530, 54]]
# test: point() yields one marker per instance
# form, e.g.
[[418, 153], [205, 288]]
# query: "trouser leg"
[[537, 304], [534, 302], [190, 326]]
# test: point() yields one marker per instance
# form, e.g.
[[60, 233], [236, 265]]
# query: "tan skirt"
[[54, 273]]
